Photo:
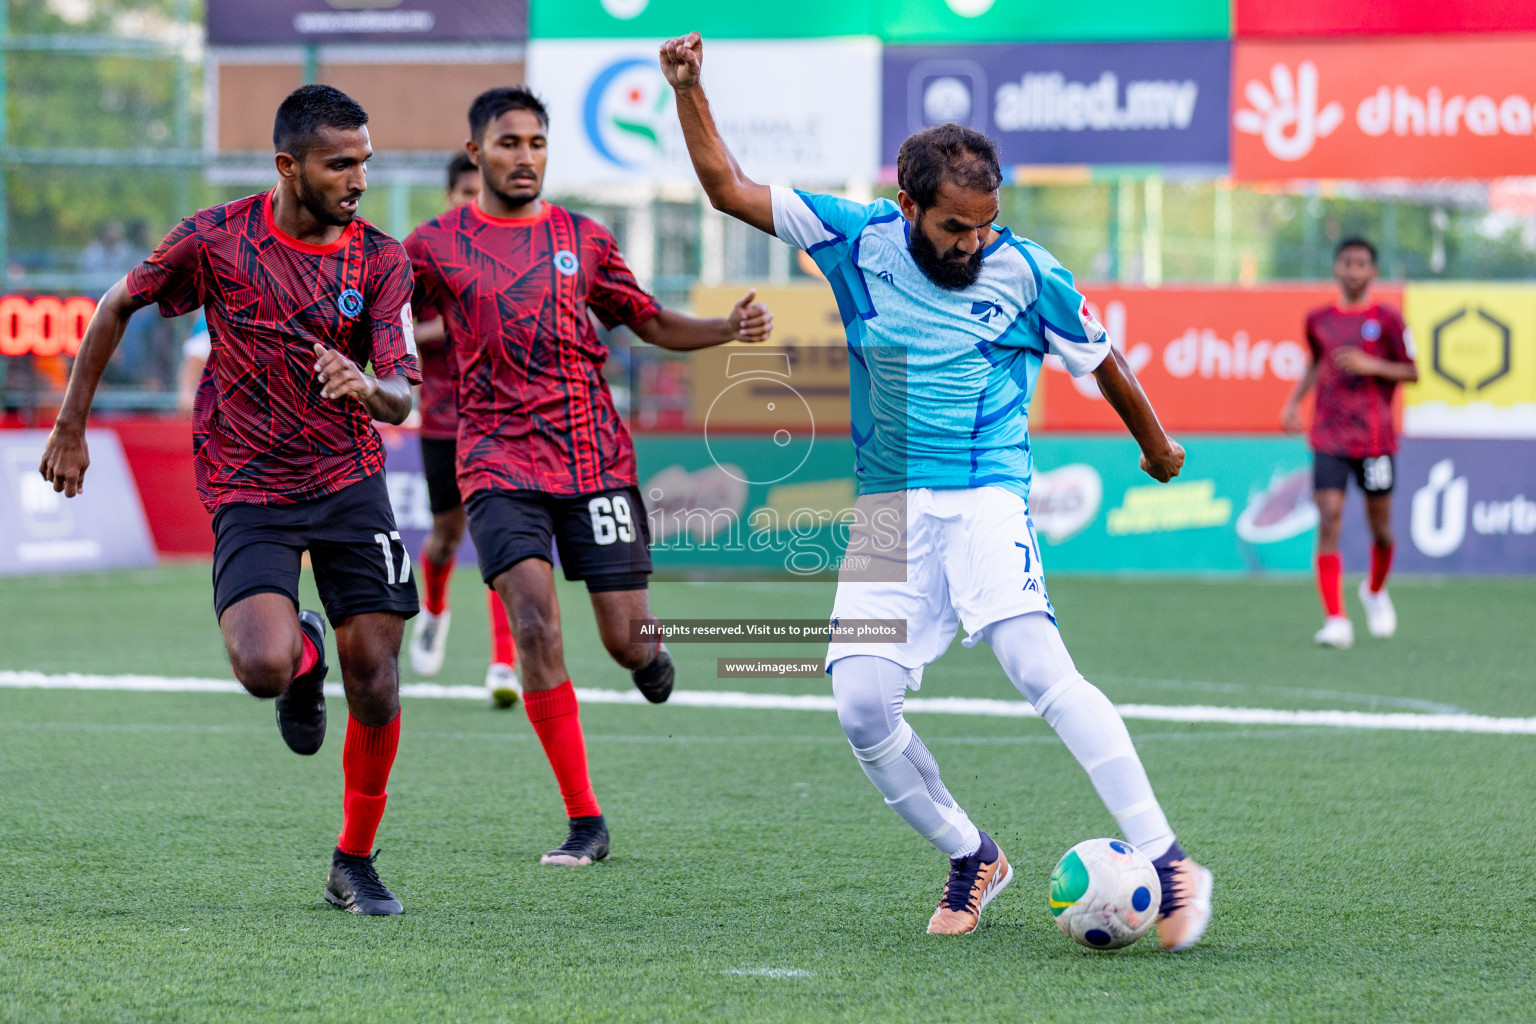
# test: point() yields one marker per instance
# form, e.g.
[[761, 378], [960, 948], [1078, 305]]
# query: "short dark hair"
[[459, 166], [1355, 242], [492, 103], [946, 152], [308, 109]]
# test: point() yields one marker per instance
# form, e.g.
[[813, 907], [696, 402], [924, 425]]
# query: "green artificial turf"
[[162, 855]]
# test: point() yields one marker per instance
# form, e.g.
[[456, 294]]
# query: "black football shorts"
[[603, 538], [354, 547], [437, 465], [1333, 472]]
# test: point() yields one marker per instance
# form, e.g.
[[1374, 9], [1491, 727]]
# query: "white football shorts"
[[970, 557]]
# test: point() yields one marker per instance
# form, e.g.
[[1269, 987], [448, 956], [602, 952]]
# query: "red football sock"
[[503, 647], [308, 657], [434, 581], [1330, 582], [556, 718], [1381, 564], [366, 759]]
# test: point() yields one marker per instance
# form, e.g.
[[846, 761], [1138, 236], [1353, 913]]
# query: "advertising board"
[[1404, 17], [102, 527], [1067, 103], [1211, 359], [1477, 360], [1460, 507], [613, 121], [979, 21], [646, 19], [247, 22], [1242, 505], [1452, 107]]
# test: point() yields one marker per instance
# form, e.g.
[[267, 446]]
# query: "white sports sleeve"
[[811, 221], [1069, 329]]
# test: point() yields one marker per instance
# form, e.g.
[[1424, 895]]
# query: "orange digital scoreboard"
[[43, 325]]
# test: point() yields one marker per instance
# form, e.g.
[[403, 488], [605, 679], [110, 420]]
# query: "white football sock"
[[869, 694], [1030, 649]]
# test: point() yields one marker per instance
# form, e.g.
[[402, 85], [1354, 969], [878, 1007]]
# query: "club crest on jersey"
[[1370, 330], [350, 302], [1092, 329], [565, 262]]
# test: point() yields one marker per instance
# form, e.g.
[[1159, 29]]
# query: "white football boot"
[[1337, 631], [500, 678], [1380, 616], [429, 643]]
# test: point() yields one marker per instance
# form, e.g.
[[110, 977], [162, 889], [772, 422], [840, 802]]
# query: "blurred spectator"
[[111, 255], [143, 358]]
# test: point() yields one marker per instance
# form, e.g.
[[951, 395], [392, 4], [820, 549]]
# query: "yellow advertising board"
[[1476, 353], [800, 372]]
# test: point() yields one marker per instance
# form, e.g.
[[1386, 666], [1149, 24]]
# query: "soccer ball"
[[1105, 893]]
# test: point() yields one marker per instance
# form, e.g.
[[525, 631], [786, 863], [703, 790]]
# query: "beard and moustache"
[[952, 270], [314, 201], [513, 200]]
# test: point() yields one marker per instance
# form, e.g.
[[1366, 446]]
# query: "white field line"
[[1400, 721]]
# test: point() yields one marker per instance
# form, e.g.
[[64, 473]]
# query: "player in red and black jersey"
[[543, 457], [1361, 350], [439, 432], [300, 295]]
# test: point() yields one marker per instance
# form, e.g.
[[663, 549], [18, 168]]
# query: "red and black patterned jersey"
[[439, 407], [534, 410], [1352, 415], [262, 435]]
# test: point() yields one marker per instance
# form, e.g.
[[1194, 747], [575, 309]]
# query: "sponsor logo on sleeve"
[[1092, 329], [408, 326]]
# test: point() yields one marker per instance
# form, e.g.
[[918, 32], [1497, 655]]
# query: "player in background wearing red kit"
[[1361, 350], [439, 430], [543, 457], [300, 295]]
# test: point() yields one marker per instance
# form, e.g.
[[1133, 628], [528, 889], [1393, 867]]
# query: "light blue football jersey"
[[940, 380]]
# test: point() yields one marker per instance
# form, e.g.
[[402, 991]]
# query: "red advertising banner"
[[1399, 17], [1452, 107], [1211, 359]]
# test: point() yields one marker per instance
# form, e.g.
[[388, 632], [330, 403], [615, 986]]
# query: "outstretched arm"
[[1161, 456], [729, 190], [65, 458], [749, 321]]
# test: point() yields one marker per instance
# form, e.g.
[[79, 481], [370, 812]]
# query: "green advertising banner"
[[1242, 505], [1011, 21], [908, 21], [659, 19]]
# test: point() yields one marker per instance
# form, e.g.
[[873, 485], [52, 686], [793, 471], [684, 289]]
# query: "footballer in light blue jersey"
[[941, 378], [948, 318]]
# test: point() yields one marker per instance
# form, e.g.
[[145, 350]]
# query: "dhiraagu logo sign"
[[626, 109]]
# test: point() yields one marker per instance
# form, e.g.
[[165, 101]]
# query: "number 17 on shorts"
[[389, 544]]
